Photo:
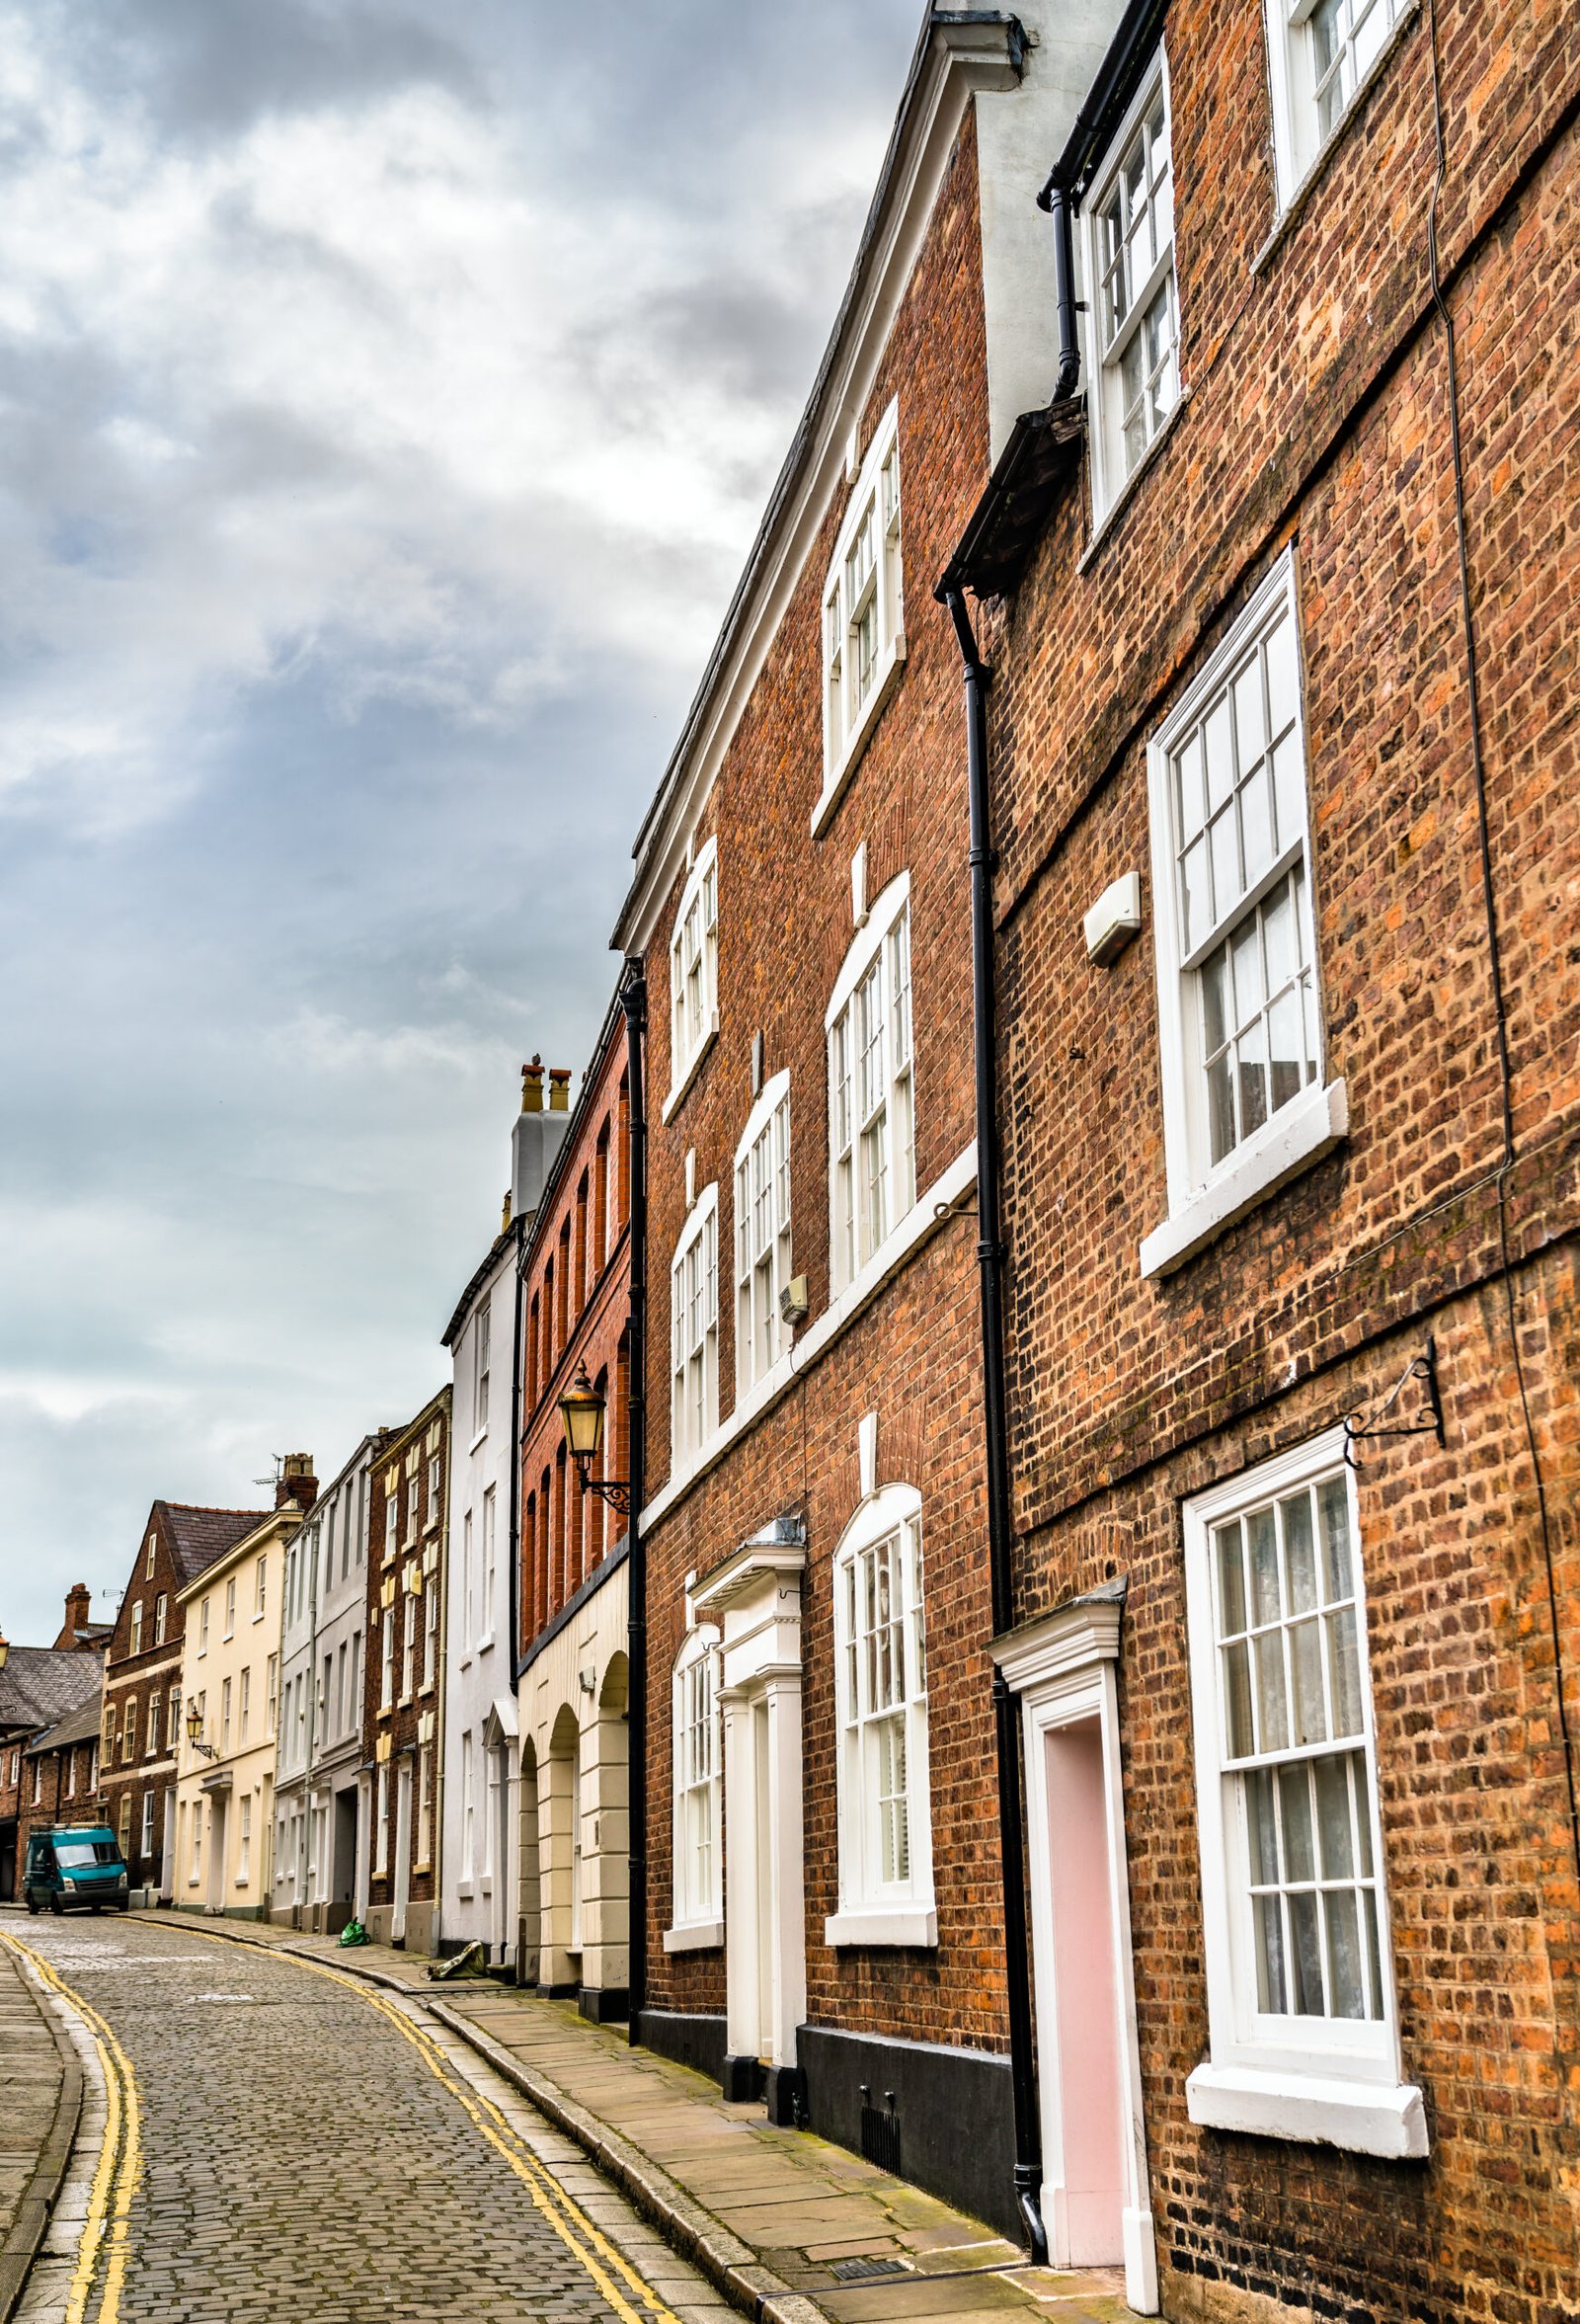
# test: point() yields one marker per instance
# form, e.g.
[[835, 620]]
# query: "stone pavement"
[[40, 2093], [784, 2222]]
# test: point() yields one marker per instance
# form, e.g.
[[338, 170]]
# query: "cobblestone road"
[[315, 2152]]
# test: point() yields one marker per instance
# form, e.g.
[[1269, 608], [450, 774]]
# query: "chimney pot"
[[532, 1086], [559, 1089]]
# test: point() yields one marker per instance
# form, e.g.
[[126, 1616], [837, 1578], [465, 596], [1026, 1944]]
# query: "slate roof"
[[80, 1727], [201, 1536], [41, 1684]]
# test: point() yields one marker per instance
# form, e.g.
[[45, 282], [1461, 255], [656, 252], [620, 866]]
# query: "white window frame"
[[243, 1839], [161, 1616], [874, 1910], [392, 1520], [387, 1677], [762, 1259], [468, 1595], [272, 1693], [1205, 1197], [1336, 2080], [1299, 140], [856, 586], [693, 973], [380, 1864], [1111, 472], [695, 1333], [146, 1841], [148, 1569], [696, 1895], [135, 1648], [430, 1633], [482, 1338], [488, 1567], [856, 1231]]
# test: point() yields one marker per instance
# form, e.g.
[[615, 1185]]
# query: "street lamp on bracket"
[[583, 1411], [195, 1733]]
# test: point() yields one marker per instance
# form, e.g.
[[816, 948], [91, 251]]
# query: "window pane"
[[1299, 1552], [1333, 1818], [1306, 1659], [1263, 1829], [1263, 1538], [1295, 1811], [1231, 1579], [1344, 1672], [1333, 1510], [1272, 1991], [1237, 1670], [1344, 1953], [1307, 1949], [1271, 1707]]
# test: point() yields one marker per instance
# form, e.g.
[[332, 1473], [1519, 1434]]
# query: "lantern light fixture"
[[583, 1409]]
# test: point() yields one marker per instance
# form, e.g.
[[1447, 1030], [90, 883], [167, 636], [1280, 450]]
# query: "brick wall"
[[413, 1724], [576, 1309], [1319, 415], [785, 926]]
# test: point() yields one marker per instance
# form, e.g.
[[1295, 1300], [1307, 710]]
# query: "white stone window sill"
[[1302, 191], [698, 1936], [835, 777], [1364, 2118], [465, 1663], [1299, 1135], [897, 1924], [672, 1104], [259, 1616], [463, 1888], [478, 1438]]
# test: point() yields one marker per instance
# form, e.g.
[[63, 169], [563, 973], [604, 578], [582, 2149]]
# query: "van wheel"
[[55, 1905], [32, 1904], [96, 1909], [123, 1904]]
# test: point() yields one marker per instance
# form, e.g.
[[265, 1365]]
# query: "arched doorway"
[[606, 1852], [529, 1906], [560, 1856]]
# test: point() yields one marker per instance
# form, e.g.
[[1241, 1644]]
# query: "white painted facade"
[[480, 1755], [320, 1813]]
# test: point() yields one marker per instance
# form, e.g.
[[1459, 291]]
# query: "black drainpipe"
[[990, 1259], [634, 1003], [1056, 199]]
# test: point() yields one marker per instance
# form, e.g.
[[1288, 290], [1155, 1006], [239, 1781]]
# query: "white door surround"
[[403, 1852], [1095, 2196], [754, 1596]]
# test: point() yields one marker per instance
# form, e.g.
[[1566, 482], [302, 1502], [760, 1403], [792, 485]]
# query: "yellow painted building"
[[230, 1676]]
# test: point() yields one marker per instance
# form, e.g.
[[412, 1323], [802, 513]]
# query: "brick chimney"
[[79, 1604], [296, 1481]]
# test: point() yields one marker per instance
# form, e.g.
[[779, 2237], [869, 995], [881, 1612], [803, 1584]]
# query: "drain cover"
[[863, 2271]]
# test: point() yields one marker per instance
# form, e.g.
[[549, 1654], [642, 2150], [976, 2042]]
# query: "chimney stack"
[[296, 1481], [537, 1137], [79, 1604]]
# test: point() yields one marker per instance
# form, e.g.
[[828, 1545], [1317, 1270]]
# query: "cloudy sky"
[[388, 393]]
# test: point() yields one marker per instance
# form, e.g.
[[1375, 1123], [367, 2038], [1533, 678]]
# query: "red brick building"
[[1282, 731], [404, 1676], [826, 1893], [39, 1687], [571, 1668], [142, 1683], [61, 1775]]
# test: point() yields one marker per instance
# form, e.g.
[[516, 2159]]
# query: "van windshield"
[[70, 1854]]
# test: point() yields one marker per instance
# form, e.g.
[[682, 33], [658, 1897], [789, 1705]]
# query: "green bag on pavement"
[[353, 1933]]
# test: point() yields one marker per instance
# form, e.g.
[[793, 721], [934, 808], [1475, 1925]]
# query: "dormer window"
[[863, 615], [693, 973]]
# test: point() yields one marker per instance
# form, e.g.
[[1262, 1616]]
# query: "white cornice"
[[1073, 1638], [953, 62]]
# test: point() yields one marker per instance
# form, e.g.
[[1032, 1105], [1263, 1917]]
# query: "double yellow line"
[[115, 2179], [636, 2302]]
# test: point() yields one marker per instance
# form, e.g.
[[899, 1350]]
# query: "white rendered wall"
[[479, 1668]]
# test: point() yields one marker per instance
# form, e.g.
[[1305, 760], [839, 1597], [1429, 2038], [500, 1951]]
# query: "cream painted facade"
[[573, 1829], [230, 1670]]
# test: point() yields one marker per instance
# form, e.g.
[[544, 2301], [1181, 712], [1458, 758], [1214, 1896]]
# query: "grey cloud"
[[207, 69]]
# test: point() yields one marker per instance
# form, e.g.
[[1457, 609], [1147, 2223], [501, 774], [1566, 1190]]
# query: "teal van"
[[79, 1868]]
